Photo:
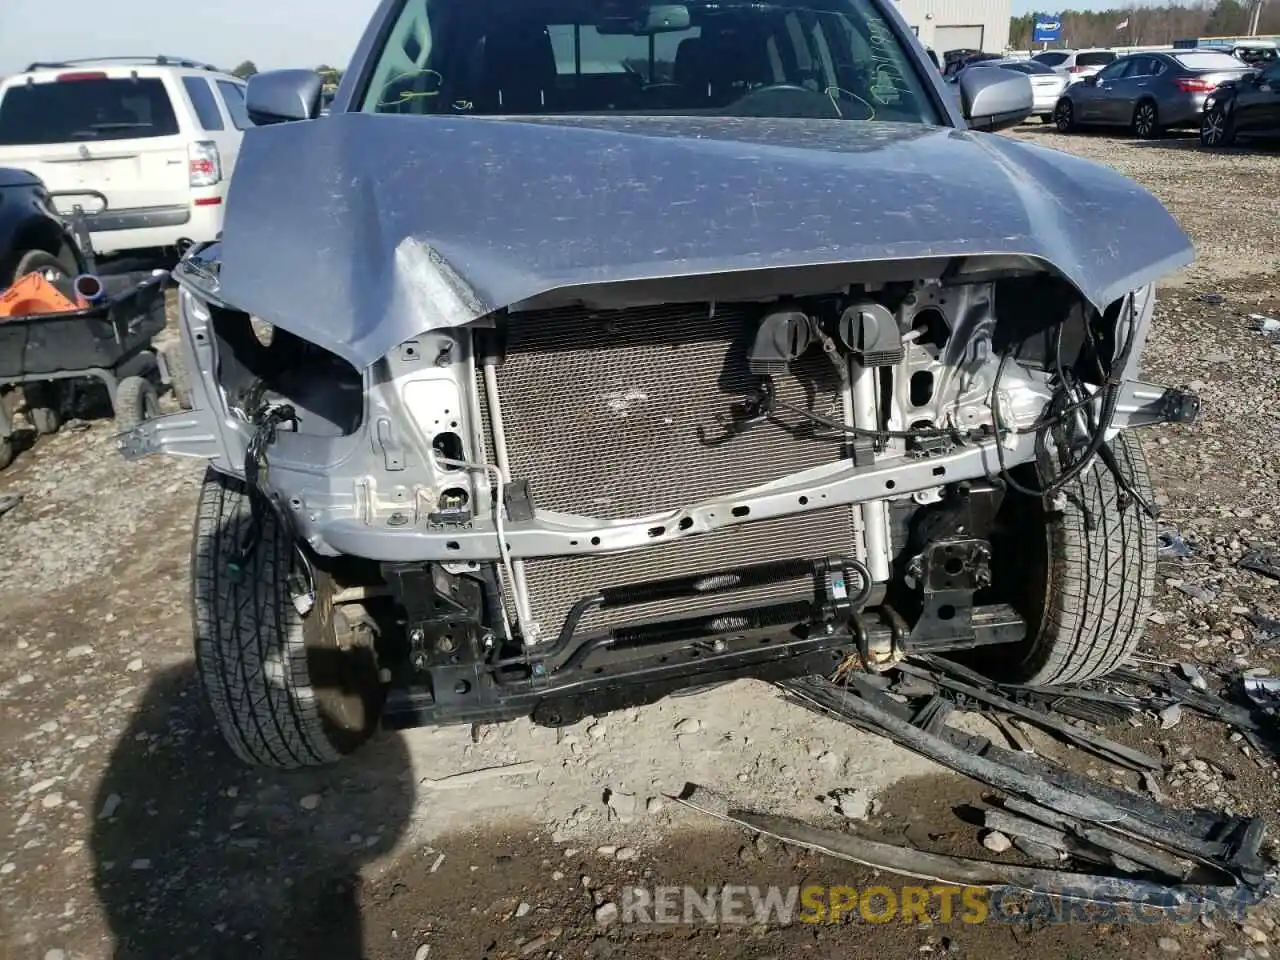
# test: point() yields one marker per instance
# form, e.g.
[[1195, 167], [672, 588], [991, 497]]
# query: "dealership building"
[[959, 24]]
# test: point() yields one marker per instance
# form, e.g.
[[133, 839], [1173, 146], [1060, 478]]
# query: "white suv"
[[1075, 65], [157, 136]]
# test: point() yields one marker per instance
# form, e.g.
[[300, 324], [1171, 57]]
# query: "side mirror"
[[1091, 80], [280, 96], [992, 98]]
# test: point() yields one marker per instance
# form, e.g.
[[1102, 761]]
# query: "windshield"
[[1253, 55], [1029, 66], [1052, 58], [1095, 58], [89, 109], [1209, 61], [819, 59]]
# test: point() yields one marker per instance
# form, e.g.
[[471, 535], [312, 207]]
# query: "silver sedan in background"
[[1147, 92], [1047, 84]]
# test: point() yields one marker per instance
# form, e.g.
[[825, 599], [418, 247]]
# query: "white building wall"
[[927, 16]]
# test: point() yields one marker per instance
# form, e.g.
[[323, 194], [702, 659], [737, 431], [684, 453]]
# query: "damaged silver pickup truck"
[[591, 350]]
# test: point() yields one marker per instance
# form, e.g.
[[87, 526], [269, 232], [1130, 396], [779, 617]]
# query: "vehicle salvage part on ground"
[[1265, 562], [1154, 882], [1159, 855], [1172, 690]]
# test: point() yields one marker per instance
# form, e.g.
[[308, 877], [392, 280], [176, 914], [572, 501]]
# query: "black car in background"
[[1248, 108], [956, 60], [33, 238]]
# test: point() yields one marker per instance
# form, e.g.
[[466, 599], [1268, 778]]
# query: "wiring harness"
[[1073, 428]]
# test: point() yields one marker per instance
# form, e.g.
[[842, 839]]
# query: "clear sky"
[[271, 33]]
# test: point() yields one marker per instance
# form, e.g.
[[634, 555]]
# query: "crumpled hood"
[[358, 232]]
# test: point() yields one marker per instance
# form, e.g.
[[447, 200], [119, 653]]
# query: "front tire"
[[1216, 128], [283, 691], [1083, 578], [1064, 116], [1146, 121]]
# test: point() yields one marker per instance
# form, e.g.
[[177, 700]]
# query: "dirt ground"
[[127, 830]]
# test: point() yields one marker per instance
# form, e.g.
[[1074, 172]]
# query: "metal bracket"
[[1180, 406], [949, 573], [447, 640], [176, 434], [518, 500], [1145, 404]]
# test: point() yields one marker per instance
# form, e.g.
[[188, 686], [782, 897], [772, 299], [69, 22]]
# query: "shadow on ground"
[[707, 890], [199, 855]]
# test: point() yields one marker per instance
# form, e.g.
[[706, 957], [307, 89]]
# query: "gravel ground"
[[127, 830]]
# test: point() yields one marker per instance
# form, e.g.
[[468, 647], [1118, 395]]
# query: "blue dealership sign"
[[1046, 29]]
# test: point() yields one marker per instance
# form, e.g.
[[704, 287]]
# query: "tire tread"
[[1101, 580], [251, 654]]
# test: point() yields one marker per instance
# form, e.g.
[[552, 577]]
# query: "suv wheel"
[[44, 406], [1064, 116], [54, 269], [284, 691], [136, 401], [179, 378], [1082, 577], [1216, 128], [1146, 121]]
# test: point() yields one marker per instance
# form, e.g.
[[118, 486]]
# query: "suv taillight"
[[205, 164], [1075, 69]]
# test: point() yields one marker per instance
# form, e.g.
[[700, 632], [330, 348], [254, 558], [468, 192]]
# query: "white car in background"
[[1075, 65], [1046, 83], [157, 136]]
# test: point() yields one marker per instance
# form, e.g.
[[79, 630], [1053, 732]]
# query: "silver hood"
[[358, 232]]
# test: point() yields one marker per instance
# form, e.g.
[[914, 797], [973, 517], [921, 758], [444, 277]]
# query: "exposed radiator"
[[622, 413]]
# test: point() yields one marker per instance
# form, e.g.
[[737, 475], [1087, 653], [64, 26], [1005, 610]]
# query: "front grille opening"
[[620, 414]]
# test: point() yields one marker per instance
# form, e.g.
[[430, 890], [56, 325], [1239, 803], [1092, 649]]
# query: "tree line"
[[1147, 25], [331, 76]]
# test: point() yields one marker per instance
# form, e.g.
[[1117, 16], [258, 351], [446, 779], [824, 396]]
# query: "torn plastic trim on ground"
[[958, 871], [1265, 562], [1172, 546], [1158, 856]]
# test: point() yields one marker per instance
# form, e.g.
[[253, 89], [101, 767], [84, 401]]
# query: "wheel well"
[[38, 233]]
